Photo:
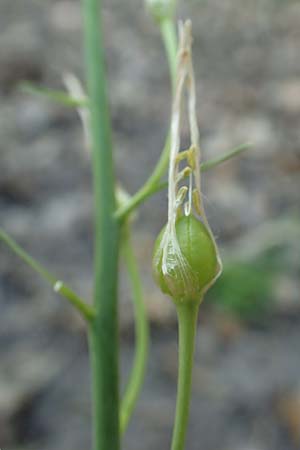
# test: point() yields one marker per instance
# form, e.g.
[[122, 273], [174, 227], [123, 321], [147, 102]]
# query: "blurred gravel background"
[[246, 393]]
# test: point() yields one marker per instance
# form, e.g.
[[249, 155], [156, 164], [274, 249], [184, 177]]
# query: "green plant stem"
[[169, 37], [141, 335], [168, 32], [225, 157], [59, 286], [60, 97], [123, 211], [103, 332], [187, 326]]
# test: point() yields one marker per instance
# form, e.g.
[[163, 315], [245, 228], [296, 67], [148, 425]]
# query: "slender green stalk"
[[169, 37], [143, 193], [225, 157], [103, 333], [35, 265], [59, 286], [64, 290], [53, 95], [141, 335], [187, 326]]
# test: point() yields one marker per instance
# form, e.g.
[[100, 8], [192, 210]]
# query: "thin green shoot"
[[57, 285], [141, 335], [56, 96]]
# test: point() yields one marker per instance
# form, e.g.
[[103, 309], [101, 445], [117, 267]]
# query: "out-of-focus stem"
[[141, 335], [103, 331]]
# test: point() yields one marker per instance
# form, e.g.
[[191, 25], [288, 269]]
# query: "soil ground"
[[246, 392]]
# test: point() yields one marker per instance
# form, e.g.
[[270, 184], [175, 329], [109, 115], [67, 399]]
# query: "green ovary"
[[189, 276]]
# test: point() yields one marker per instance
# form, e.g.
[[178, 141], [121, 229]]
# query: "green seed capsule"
[[189, 265]]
